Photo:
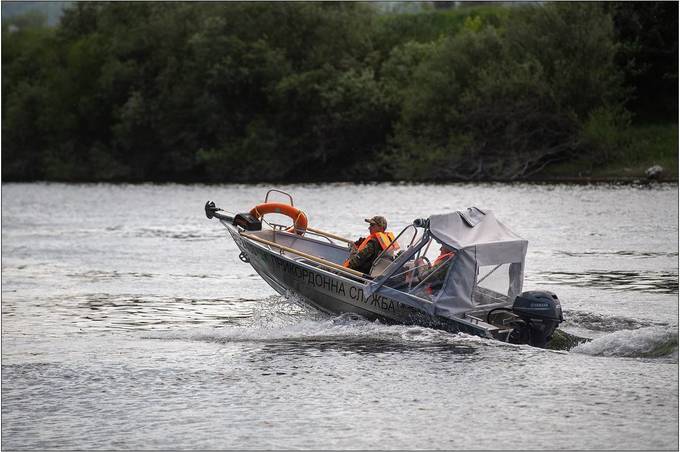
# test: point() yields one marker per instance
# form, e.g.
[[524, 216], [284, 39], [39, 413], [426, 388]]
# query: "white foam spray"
[[644, 342]]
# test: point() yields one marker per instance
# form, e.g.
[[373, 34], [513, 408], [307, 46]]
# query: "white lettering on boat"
[[326, 283]]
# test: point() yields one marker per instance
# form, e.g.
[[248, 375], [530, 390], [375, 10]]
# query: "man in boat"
[[438, 269], [365, 250], [435, 273]]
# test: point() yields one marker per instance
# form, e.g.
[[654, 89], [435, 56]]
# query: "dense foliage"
[[323, 91]]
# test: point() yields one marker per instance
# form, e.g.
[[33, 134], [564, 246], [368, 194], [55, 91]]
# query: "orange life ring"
[[299, 218]]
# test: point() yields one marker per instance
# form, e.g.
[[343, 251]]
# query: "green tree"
[[322, 90], [503, 103], [648, 55]]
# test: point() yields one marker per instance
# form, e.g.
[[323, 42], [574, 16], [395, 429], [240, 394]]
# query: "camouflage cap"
[[378, 221]]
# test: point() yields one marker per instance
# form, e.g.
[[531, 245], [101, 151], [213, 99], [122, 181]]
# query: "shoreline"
[[569, 180]]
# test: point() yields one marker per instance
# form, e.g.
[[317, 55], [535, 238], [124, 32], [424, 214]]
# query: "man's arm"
[[359, 259]]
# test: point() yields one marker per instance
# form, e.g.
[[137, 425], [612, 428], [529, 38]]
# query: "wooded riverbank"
[[247, 92]]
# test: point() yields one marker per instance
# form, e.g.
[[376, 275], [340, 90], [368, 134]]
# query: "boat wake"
[[345, 327], [648, 342], [289, 317], [288, 320]]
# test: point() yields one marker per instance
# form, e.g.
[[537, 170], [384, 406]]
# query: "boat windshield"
[[409, 236], [459, 265], [424, 273]]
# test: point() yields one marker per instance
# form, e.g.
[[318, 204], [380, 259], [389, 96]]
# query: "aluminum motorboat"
[[477, 289]]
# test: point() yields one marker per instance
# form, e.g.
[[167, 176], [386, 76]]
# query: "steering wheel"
[[421, 268]]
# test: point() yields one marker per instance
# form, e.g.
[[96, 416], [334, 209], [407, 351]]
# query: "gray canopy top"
[[494, 243], [485, 246], [473, 227], [487, 269]]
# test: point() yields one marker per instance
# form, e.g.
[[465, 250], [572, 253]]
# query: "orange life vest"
[[443, 257], [385, 239]]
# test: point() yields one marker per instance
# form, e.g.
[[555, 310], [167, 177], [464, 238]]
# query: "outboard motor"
[[541, 312]]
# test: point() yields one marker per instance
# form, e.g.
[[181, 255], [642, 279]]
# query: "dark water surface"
[[128, 322]]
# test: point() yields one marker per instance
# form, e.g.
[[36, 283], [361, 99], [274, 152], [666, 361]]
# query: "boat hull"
[[336, 294]]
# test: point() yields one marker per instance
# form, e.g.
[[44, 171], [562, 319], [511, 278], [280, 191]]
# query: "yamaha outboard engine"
[[541, 312]]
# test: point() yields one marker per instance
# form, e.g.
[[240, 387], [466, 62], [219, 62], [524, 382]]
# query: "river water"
[[128, 322]]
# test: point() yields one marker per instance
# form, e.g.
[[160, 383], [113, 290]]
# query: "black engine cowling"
[[541, 313]]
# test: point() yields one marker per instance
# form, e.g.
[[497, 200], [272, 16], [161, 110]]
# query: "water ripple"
[[641, 281], [107, 312], [631, 253], [196, 235], [599, 322]]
